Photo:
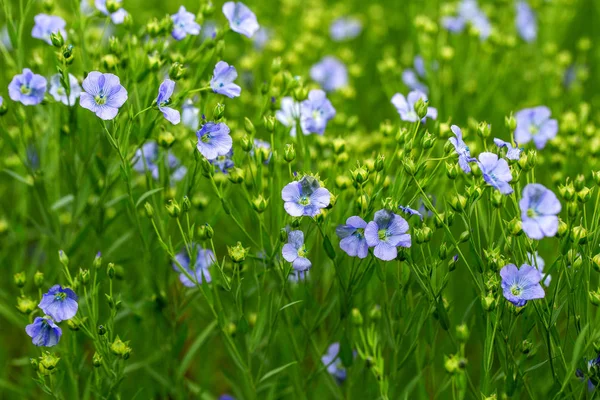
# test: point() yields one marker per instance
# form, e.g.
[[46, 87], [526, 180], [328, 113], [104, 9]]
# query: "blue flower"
[[294, 251], [410, 211], [535, 123], [352, 237], [103, 95], [386, 232], [330, 73], [184, 23], [410, 77], [406, 106], [512, 153], [496, 172], [315, 112], [298, 276], [117, 17], [214, 140], [44, 332], [526, 21], [222, 80], [59, 303], [539, 209], [165, 91], [521, 285], [60, 94], [261, 38], [538, 262], [305, 197], [190, 115], [289, 114], [464, 154], [345, 28], [199, 271], [27, 88], [241, 19], [224, 162], [45, 25], [469, 13], [333, 362], [147, 158]]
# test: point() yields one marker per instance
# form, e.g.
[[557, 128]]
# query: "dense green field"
[[394, 199]]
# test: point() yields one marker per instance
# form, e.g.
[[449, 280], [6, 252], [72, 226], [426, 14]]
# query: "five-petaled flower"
[[386, 232], [305, 197], [58, 91], [332, 361], [521, 285], [103, 95], [464, 154], [59, 303], [539, 209], [45, 25], [165, 91], [496, 172], [289, 114], [512, 153], [330, 73], [535, 124], [315, 112], [345, 28], [184, 23], [214, 140], [241, 19], [352, 236], [406, 106], [27, 88], [294, 251], [117, 17], [44, 332], [222, 80], [199, 271]]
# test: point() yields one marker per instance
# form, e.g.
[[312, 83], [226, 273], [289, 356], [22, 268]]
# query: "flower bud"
[[236, 175], [596, 262], [409, 166], [219, 111], [421, 108], [484, 130], [360, 175], [120, 348], [594, 297], [238, 253], [375, 313], [563, 228], [64, 260], [515, 227], [580, 235], [443, 251], [166, 139], [26, 305], [339, 145], [526, 346], [283, 235], [270, 123], [488, 302], [595, 175], [458, 203], [428, 140], [173, 208], [510, 122], [249, 126], [572, 209], [177, 71], [423, 235], [49, 361], [84, 276], [356, 317], [579, 182], [464, 236], [20, 279], [497, 199], [379, 163], [101, 330], [57, 39], [97, 360], [584, 195], [289, 153], [186, 204], [110, 270], [462, 333], [567, 191], [259, 204], [38, 279], [149, 211]]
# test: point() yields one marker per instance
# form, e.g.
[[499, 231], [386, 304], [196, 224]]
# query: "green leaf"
[[290, 304], [60, 203], [275, 371], [189, 355], [328, 248], [25, 180], [146, 195]]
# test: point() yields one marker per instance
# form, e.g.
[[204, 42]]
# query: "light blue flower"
[[241, 19], [535, 124], [496, 172], [222, 80], [117, 17], [184, 23], [330, 73], [60, 94], [521, 285], [27, 88], [315, 112], [44, 332], [345, 28], [45, 25], [539, 209], [526, 21]]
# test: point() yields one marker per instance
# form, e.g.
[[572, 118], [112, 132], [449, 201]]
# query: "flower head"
[[184, 23], [224, 163], [165, 91], [315, 112], [222, 80], [496, 172], [305, 197], [333, 362], [535, 123], [214, 140], [410, 211], [294, 251], [330, 73], [60, 94], [352, 237], [464, 154], [386, 232], [44, 332], [27, 88], [526, 21], [117, 17], [103, 95], [345, 28], [521, 285], [289, 114], [539, 209], [198, 271], [512, 153], [147, 159], [190, 115], [406, 106], [45, 25], [411, 77], [59, 303], [241, 19], [261, 38], [469, 13]]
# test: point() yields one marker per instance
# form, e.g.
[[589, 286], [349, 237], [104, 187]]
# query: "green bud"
[[596, 262], [62, 256], [572, 209], [249, 126], [236, 175], [567, 191], [428, 140], [97, 360], [270, 123], [409, 166], [289, 153], [177, 71], [421, 108], [526, 346], [149, 210], [25, 305], [563, 228], [515, 227], [510, 122], [246, 143], [110, 270], [166, 139], [580, 235], [84, 276], [300, 94], [34, 363], [120, 348], [497, 199], [356, 317], [259, 204], [484, 130], [75, 323], [584, 195], [342, 182], [186, 204], [205, 232], [48, 5], [173, 208], [451, 364], [360, 175], [595, 175], [375, 313], [57, 39], [20, 279], [458, 202], [423, 235], [594, 297], [464, 236], [283, 235], [579, 182], [113, 6], [38, 279], [443, 251], [451, 170], [238, 253], [49, 361], [101, 330], [339, 145], [219, 111], [276, 65], [462, 333], [109, 61], [488, 302], [3, 108]]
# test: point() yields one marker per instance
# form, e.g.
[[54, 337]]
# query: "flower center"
[[302, 252], [61, 91], [516, 290], [25, 89], [533, 129], [60, 296], [359, 233], [205, 138], [531, 213], [100, 99], [304, 200], [382, 234]]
